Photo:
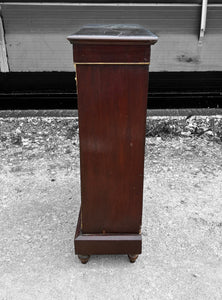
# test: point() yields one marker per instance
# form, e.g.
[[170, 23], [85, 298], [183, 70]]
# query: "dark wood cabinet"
[[112, 63]]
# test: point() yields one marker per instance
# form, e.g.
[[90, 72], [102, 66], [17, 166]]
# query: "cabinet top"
[[114, 32]]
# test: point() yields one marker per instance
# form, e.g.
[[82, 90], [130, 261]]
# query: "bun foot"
[[84, 258], [132, 257]]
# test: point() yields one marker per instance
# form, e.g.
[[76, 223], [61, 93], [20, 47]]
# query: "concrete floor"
[[39, 204]]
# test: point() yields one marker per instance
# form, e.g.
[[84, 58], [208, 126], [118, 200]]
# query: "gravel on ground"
[[182, 214]]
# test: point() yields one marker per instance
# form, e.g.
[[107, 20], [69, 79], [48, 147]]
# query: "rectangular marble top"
[[113, 32]]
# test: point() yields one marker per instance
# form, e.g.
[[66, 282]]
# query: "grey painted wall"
[[36, 34]]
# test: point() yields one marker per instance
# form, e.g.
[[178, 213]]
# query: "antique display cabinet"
[[112, 63]]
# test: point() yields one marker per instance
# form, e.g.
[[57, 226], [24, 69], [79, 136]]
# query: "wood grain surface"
[[112, 103], [87, 244], [106, 52]]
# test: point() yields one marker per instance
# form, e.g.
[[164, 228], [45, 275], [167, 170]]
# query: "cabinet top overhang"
[[114, 32]]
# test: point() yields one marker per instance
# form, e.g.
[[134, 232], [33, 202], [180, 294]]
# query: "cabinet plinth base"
[[88, 244]]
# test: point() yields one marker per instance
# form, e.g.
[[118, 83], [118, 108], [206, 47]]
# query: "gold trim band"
[[112, 63]]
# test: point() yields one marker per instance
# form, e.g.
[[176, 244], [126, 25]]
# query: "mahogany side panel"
[[111, 53], [112, 102]]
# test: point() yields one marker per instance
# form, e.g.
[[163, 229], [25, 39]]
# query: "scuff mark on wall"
[[188, 58]]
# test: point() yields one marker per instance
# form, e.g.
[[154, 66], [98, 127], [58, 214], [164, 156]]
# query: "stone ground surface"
[[40, 199]]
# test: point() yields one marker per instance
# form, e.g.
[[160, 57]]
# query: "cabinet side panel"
[[112, 103]]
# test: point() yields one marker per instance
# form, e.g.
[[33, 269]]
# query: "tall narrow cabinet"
[[112, 64]]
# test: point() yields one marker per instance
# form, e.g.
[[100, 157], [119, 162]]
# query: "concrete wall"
[[35, 34]]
